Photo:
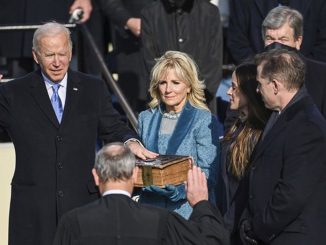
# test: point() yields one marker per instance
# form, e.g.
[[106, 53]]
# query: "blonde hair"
[[186, 70]]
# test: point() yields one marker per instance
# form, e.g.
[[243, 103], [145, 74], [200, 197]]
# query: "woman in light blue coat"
[[179, 123]]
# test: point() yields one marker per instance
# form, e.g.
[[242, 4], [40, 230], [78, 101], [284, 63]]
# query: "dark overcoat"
[[117, 219], [54, 161], [288, 178]]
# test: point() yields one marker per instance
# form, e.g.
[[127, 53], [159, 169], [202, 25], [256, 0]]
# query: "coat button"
[[60, 193], [59, 138], [180, 40], [60, 165]]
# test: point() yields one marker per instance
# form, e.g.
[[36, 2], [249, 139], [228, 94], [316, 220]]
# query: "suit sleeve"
[[116, 11], [111, 127], [204, 227], [304, 165], [238, 41]]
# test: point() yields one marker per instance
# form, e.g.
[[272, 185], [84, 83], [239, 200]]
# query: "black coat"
[[246, 17], [315, 81], [17, 44], [195, 30], [127, 48], [117, 219], [288, 178], [54, 162]]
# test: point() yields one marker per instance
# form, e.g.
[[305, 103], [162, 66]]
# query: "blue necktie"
[[56, 102]]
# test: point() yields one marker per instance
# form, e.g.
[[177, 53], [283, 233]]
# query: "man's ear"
[[35, 56], [95, 176], [298, 42], [276, 86]]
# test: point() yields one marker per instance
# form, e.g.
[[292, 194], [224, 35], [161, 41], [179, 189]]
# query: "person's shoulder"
[[315, 64], [83, 77], [203, 114], [150, 209], [207, 6], [22, 82], [147, 113], [151, 7]]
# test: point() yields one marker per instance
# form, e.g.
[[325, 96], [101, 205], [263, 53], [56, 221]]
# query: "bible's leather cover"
[[163, 170]]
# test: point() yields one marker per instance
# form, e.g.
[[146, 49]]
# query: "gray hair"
[[278, 16], [50, 29], [114, 161], [283, 65]]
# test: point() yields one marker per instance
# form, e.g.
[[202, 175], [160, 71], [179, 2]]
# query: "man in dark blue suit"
[[246, 16], [54, 133], [117, 219], [287, 177]]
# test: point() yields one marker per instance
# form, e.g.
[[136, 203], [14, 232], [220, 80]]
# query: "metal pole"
[[28, 27], [117, 91]]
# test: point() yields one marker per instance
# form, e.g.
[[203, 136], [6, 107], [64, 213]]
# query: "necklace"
[[170, 115]]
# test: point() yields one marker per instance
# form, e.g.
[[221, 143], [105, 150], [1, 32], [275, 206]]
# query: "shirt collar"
[[49, 83], [122, 192]]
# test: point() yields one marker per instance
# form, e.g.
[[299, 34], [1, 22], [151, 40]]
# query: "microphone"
[[76, 16]]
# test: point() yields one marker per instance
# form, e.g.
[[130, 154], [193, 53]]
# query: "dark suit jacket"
[[288, 178], [117, 219], [54, 162], [246, 17]]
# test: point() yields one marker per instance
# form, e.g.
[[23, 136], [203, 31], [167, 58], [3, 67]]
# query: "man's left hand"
[[85, 5], [140, 151]]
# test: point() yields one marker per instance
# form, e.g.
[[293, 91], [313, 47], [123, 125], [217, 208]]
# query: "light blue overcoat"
[[196, 134]]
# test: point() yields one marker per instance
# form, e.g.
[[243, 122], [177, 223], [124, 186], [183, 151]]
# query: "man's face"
[[53, 56], [266, 89], [284, 35]]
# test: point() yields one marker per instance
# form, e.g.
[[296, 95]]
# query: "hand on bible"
[[196, 186]]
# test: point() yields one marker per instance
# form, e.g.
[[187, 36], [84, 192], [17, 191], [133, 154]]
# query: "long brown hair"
[[243, 142]]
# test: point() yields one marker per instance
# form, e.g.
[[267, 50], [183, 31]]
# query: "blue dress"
[[196, 134]]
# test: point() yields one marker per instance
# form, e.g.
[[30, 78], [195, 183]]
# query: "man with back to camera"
[[117, 219], [287, 177], [54, 116], [283, 28]]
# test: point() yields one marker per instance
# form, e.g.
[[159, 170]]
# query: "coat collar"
[[182, 128], [41, 97], [281, 123]]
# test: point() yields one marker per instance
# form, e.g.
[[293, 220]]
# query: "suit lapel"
[[74, 89], [40, 95], [272, 134], [182, 128], [179, 133]]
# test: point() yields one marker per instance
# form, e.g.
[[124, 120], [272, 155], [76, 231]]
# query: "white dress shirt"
[[62, 90], [122, 192]]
